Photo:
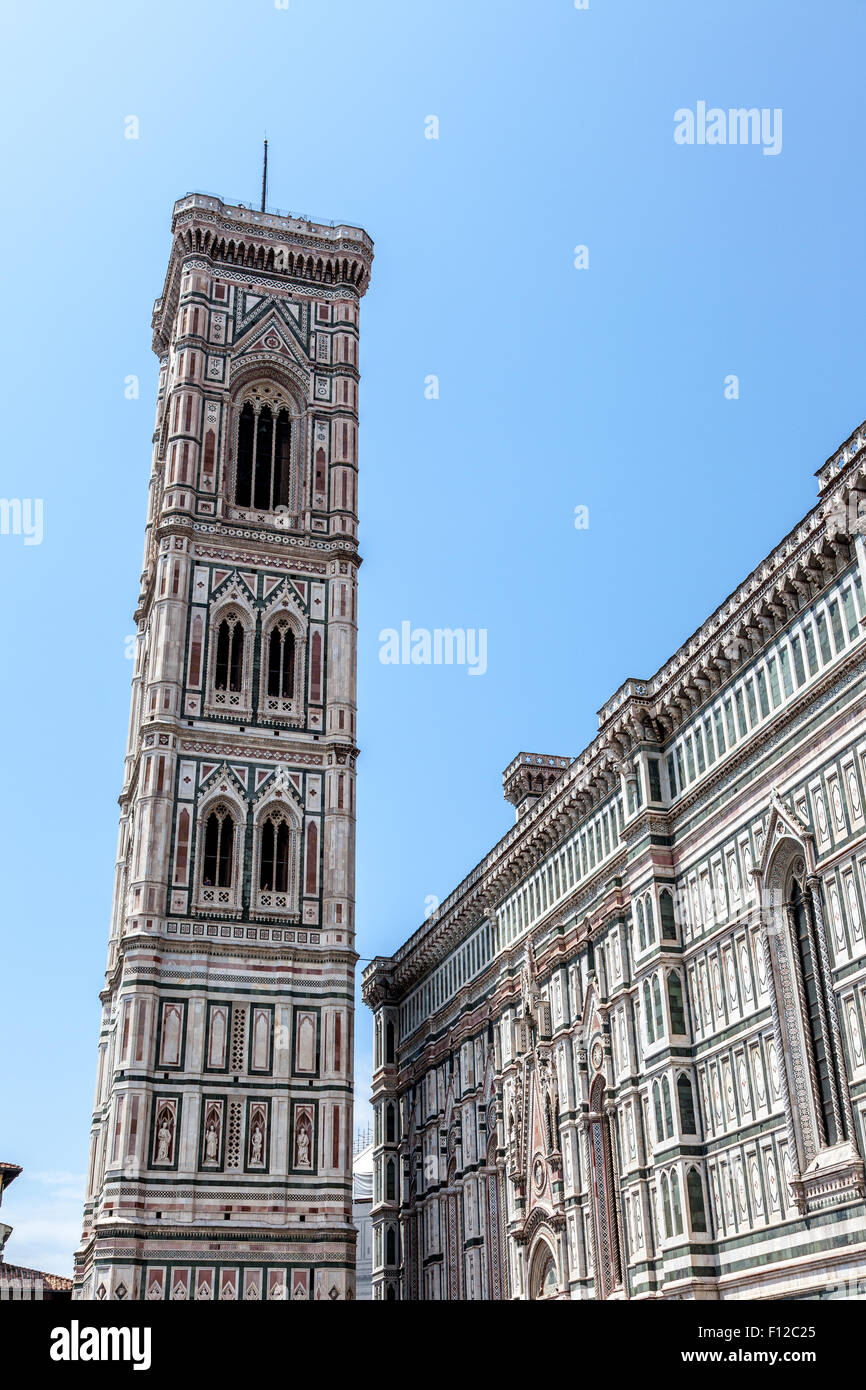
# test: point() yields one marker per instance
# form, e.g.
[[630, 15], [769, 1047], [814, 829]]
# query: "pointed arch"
[[543, 1280]]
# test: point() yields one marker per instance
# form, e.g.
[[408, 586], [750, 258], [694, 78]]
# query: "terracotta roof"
[[8, 1173], [19, 1272]]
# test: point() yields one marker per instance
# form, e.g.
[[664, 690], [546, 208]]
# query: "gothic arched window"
[[686, 1104], [657, 1005], [641, 930], [229, 665], [657, 1106], [648, 1011], [218, 848], [274, 859], [666, 908], [650, 923], [697, 1211], [675, 1001], [666, 1099], [264, 453], [666, 1203], [281, 660], [811, 985], [677, 1206]]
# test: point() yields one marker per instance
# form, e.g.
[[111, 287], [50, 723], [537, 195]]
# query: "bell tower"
[[221, 1139]]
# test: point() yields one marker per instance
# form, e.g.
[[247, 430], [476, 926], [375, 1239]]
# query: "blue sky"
[[602, 387]]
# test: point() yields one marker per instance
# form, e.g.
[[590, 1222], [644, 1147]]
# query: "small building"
[[15, 1280]]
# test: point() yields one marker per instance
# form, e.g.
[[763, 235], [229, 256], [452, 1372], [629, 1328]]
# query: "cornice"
[[245, 952], [201, 223]]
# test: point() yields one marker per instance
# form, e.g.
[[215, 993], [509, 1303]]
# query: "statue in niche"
[[164, 1138], [302, 1143], [257, 1142], [212, 1141]]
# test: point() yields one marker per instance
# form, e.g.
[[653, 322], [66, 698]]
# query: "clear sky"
[[601, 387]]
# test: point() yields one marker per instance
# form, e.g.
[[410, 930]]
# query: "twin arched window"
[[282, 664], [264, 456], [672, 1203], [275, 859], [685, 1104]]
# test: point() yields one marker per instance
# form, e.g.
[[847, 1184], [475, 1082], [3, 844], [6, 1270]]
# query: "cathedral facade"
[[221, 1147], [626, 1057]]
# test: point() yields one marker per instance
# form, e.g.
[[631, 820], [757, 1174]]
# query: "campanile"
[[221, 1143]]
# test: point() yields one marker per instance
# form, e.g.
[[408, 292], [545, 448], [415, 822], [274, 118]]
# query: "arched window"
[[648, 1011], [811, 987], [657, 1105], [666, 1099], [641, 930], [659, 1013], [686, 1104], [281, 660], [391, 1246], [274, 860], [676, 1203], [218, 848], [650, 922], [389, 1043], [666, 911], [229, 665], [264, 452], [390, 1126], [390, 1182], [675, 1001], [666, 1204], [697, 1212]]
